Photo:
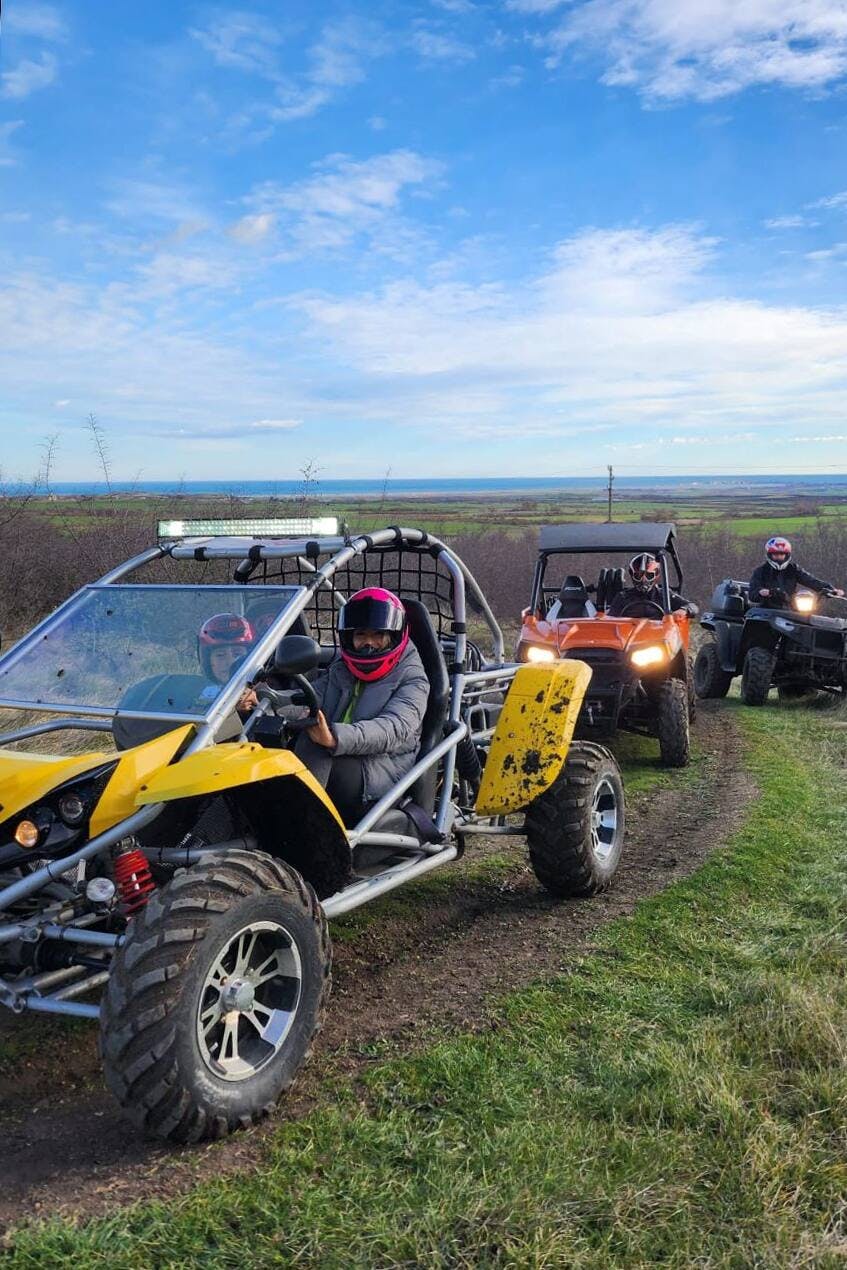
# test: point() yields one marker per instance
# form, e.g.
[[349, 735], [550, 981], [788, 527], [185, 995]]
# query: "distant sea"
[[464, 486]]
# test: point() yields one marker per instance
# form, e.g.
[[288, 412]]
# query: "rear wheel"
[[756, 676], [672, 728], [215, 997], [794, 692], [710, 679], [575, 829]]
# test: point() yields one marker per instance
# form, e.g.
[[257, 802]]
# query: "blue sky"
[[470, 237]]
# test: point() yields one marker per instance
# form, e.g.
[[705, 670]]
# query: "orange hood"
[[621, 634]]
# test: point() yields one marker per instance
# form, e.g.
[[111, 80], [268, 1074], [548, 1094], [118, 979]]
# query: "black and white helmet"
[[645, 571]]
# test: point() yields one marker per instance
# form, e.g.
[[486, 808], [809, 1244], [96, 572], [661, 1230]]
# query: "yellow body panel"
[[27, 778], [533, 735], [227, 766], [135, 766]]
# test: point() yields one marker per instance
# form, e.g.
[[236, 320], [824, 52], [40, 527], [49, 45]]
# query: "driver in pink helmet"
[[373, 699]]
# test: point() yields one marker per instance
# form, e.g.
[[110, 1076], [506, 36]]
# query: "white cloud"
[[253, 229], [41, 21], [834, 202], [839, 437], [622, 325], [787, 222], [241, 41], [140, 199], [28, 76], [703, 49], [345, 198], [7, 159], [433, 45], [275, 425], [337, 61], [60, 405]]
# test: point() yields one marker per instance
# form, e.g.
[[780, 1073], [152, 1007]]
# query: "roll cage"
[[324, 570], [658, 538]]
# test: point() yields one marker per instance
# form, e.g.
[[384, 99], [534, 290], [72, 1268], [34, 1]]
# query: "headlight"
[[32, 831], [72, 808], [652, 655], [804, 602], [536, 653]]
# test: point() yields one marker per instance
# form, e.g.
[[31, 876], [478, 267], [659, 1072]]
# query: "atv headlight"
[[652, 655], [804, 602], [538, 654]]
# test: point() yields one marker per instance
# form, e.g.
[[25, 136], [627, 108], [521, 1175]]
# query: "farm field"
[[657, 1076]]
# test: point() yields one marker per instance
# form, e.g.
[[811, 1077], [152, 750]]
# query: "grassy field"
[[677, 1098], [749, 515]]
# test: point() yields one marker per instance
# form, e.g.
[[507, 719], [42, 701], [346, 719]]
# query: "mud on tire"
[[672, 723], [575, 829], [710, 679], [215, 997], [756, 676]]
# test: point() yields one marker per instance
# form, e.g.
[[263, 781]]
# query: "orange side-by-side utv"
[[641, 680]]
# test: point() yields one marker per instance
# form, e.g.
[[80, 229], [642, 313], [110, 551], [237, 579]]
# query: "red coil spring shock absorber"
[[133, 879]]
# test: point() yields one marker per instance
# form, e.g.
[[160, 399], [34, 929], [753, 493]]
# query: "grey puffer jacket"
[[385, 729]]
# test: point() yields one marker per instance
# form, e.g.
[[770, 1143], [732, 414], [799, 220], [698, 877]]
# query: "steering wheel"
[[637, 599], [277, 700]]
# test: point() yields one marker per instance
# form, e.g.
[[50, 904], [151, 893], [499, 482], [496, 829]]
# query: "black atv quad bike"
[[797, 645]]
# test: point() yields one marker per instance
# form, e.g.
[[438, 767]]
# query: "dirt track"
[[65, 1145]]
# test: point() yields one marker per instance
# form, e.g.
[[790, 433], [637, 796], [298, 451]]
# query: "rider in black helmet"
[[640, 599]]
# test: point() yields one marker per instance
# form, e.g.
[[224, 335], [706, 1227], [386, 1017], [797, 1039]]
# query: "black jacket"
[[627, 600], [786, 580]]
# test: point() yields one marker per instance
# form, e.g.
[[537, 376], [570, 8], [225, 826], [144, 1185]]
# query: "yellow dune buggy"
[[184, 872]]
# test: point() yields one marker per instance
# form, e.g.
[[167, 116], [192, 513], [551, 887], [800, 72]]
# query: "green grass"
[[677, 1098]]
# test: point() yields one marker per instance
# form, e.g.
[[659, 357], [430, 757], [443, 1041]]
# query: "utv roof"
[[634, 536]]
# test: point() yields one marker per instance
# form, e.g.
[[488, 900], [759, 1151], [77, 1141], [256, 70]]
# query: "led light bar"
[[276, 527]]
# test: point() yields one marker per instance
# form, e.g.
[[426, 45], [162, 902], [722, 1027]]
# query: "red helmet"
[[372, 609], [645, 571], [778, 552], [224, 630]]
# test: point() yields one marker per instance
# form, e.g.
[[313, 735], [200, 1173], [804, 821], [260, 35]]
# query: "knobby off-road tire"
[[575, 829], [710, 679], [672, 723], [689, 689], [215, 997], [756, 676], [795, 692]]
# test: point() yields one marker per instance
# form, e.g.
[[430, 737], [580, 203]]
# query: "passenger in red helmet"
[[223, 640], [373, 699]]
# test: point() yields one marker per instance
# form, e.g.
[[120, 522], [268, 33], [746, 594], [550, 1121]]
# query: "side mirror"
[[296, 655]]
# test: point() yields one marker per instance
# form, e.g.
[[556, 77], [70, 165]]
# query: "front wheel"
[[575, 829], [756, 676], [215, 997], [710, 678], [673, 723]]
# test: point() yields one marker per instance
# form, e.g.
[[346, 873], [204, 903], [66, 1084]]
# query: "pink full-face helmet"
[[372, 609]]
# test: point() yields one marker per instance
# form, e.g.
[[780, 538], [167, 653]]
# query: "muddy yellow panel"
[[231, 765], [533, 735]]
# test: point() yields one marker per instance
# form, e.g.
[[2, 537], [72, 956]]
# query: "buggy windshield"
[[137, 648]]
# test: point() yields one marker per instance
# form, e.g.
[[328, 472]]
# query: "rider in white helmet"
[[774, 582]]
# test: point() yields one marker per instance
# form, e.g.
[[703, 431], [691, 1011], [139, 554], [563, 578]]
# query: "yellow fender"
[[28, 778], [135, 766], [232, 764], [533, 735]]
